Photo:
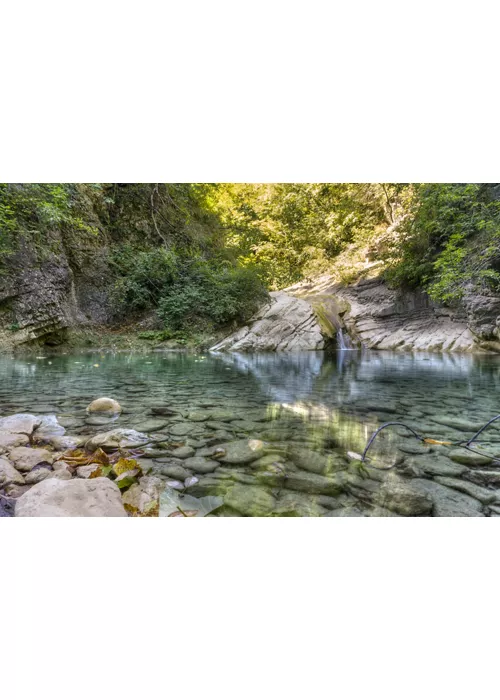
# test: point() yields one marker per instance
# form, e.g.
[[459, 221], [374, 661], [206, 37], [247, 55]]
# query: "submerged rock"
[[121, 437], [201, 465], [468, 458], [403, 498], [249, 500], [449, 502], [75, 498], [241, 451]]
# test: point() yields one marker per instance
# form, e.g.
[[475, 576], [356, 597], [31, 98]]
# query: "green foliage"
[[295, 230], [449, 240], [214, 293], [35, 211]]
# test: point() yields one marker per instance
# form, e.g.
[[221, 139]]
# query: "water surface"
[[325, 404]]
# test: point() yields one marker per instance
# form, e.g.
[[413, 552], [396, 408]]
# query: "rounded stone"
[[104, 405]]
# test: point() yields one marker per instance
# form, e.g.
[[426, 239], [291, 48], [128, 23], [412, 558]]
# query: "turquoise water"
[[326, 405]]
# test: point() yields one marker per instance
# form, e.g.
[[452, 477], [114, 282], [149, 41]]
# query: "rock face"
[[285, 324], [380, 318], [76, 498]]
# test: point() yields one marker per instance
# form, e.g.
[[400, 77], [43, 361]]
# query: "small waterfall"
[[343, 343]]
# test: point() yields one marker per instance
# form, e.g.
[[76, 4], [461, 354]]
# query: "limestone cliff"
[[381, 318]]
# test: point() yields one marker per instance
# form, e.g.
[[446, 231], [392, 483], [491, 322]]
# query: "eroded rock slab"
[[285, 324]]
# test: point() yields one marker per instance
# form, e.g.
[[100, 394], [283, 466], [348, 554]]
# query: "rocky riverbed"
[[263, 435], [257, 466]]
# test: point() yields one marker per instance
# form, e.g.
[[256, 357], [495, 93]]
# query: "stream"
[[305, 411]]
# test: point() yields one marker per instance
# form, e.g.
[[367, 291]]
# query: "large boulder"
[[76, 498], [284, 324]]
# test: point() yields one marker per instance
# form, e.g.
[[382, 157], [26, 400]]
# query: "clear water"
[[327, 405]]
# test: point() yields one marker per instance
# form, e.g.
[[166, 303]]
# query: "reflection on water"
[[325, 404]]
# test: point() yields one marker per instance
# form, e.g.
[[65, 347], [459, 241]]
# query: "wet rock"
[[484, 495], [37, 475], [104, 405], [459, 424], [484, 477], [8, 474], [242, 451], [441, 466], [449, 502], [380, 512], [314, 462], [249, 500], [215, 451], [290, 504], [66, 442], [76, 498], [349, 512], [20, 423], [172, 470], [181, 428], [25, 458], [151, 426], [471, 459], [201, 465], [98, 419], [174, 484], [221, 414], [268, 460], [112, 440], [217, 425], [219, 438], [49, 428], [315, 483], [183, 452], [199, 416], [403, 498]]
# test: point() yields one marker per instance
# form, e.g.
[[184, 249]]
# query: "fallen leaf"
[[125, 465], [430, 441]]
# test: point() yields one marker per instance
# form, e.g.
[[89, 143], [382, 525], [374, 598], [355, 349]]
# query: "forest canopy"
[[207, 252]]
